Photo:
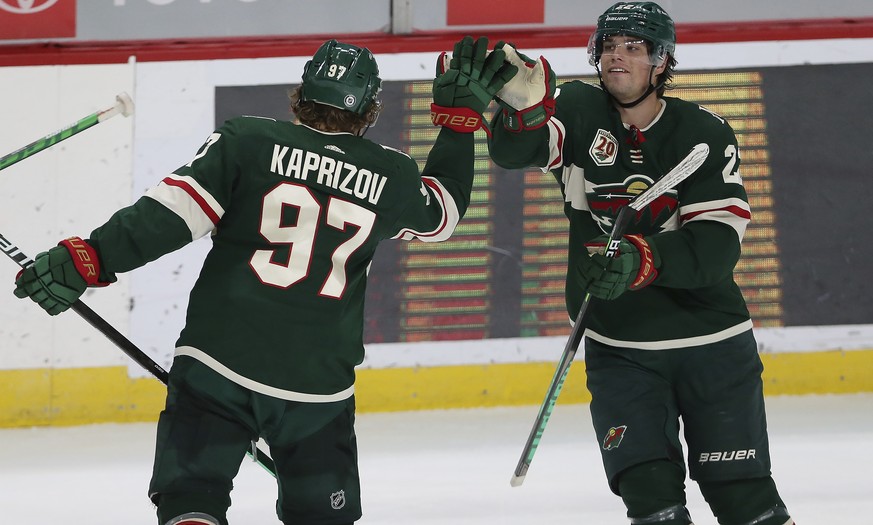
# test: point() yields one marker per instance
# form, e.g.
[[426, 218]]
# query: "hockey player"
[[668, 333], [275, 320]]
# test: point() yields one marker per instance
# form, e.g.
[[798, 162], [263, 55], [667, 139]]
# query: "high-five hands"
[[466, 84]]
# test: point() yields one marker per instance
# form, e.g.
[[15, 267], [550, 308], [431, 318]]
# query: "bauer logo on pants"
[[613, 437]]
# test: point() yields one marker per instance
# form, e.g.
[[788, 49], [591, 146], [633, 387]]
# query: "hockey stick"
[[123, 105], [126, 346], [683, 170]]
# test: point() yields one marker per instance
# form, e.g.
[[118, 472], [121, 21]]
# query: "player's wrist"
[[533, 117], [86, 261], [460, 119], [648, 261]]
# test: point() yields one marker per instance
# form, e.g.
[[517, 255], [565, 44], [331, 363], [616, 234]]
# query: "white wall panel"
[[65, 190]]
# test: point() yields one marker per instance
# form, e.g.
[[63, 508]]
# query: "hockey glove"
[[58, 277], [528, 99], [635, 266], [467, 83]]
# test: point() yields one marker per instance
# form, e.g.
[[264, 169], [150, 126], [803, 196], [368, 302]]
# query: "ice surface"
[[444, 467]]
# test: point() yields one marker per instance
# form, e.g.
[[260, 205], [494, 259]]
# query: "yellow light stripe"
[[78, 396]]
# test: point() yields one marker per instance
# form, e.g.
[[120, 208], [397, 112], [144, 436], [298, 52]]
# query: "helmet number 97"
[[336, 71]]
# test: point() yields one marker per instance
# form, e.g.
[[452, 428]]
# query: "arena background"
[[477, 321]]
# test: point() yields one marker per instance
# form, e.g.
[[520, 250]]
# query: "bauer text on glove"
[[467, 83]]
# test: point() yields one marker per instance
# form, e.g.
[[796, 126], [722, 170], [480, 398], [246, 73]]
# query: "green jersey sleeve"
[[186, 205], [138, 234], [445, 185], [713, 214]]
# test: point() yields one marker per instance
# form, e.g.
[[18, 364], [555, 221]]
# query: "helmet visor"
[[627, 46]]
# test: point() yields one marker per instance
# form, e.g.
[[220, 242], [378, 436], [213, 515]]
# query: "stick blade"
[[679, 173], [126, 104]]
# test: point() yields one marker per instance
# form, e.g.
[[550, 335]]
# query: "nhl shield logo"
[[604, 149], [338, 500], [613, 437]]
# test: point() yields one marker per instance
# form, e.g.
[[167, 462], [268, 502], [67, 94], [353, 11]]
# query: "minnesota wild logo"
[[613, 437], [606, 200]]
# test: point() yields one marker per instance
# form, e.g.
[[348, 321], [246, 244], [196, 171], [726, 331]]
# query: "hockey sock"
[[650, 489], [745, 501]]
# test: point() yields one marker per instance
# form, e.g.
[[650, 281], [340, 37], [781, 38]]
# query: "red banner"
[[492, 12], [32, 19]]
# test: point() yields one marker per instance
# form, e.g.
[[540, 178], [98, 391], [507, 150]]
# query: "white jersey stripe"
[[556, 143], [187, 199], [673, 343], [261, 388], [734, 212], [451, 215]]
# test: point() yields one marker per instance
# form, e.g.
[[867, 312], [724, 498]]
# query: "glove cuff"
[[85, 259], [460, 119], [649, 261], [533, 117]]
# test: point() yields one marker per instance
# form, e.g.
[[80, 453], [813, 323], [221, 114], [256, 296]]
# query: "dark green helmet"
[[645, 20], [343, 76]]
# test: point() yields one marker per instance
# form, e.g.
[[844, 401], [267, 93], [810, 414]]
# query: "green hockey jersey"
[[295, 216], [697, 228]]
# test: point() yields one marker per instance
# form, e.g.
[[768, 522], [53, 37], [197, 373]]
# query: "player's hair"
[[665, 79], [329, 118]]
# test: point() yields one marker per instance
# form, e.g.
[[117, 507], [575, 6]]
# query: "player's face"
[[626, 68]]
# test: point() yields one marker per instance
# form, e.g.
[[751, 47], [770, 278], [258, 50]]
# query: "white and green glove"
[[528, 99], [466, 84]]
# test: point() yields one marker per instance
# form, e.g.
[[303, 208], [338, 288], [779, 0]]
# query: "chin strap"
[[627, 105]]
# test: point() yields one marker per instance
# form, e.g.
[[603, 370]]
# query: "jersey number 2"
[[300, 237]]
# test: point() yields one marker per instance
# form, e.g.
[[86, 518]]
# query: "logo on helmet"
[[349, 101]]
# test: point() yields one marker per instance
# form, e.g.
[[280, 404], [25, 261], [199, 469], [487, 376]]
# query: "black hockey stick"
[[685, 168], [126, 346], [15, 253], [123, 105]]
